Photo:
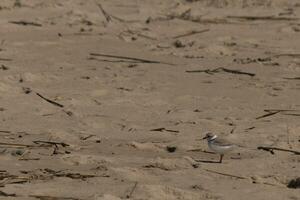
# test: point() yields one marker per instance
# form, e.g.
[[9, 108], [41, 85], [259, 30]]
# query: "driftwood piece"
[[190, 33], [212, 71], [109, 17], [49, 101], [236, 71], [25, 23], [250, 128], [164, 129], [87, 137], [79, 175], [5, 59], [268, 114], [113, 61], [292, 78], [3, 131], [26, 159], [281, 110], [140, 60], [132, 190], [45, 197], [51, 143], [106, 15], [271, 112], [255, 18], [137, 33], [15, 144], [271, 149]]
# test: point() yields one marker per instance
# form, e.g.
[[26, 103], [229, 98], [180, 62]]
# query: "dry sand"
[[130, 128]]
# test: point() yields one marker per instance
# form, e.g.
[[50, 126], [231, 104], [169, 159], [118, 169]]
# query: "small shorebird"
[[218, 145]]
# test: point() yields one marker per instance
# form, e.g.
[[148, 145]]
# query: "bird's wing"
[[222, 142]]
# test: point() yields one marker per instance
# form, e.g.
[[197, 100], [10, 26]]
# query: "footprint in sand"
[[148, 146], [171, 163], [80, 159], [157, 192]]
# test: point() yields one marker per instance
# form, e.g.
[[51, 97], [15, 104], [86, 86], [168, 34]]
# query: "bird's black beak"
[[205, 137]]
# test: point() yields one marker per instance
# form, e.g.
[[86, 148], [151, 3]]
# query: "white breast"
[[220, 149]]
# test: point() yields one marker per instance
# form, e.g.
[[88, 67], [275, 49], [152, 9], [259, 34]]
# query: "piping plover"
[[218, 145]]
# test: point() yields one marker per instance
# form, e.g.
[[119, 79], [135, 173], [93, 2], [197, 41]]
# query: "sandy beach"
[[109, 100]]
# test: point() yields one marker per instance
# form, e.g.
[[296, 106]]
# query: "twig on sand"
[[72, 175], [25, 23], [212, 71], [281, 110], [45, 197], [106, 15], [130, 58], [49, 101], [109, 17], [113, 61], [254, 18], [49, 142], [2, 131], [53, 144], [87, 137], [16, 144], [232, 130], [27, 159], [271, 149], [164, 129], [189, 33], [268, 114], [226, 174], [137, 33], [5, 59], [235, 71], [271, 112], [132, 190]]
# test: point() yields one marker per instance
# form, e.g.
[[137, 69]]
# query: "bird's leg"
[[221, 158]]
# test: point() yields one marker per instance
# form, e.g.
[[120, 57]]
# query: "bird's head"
[[209, 136]]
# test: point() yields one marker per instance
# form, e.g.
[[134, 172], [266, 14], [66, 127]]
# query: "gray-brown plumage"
[[218, 145]]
